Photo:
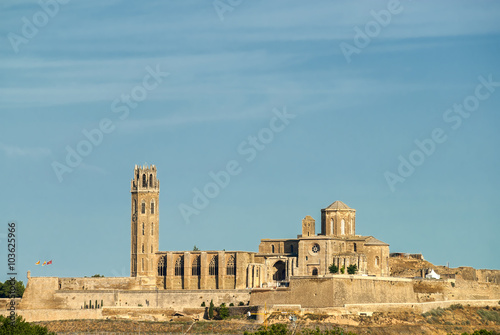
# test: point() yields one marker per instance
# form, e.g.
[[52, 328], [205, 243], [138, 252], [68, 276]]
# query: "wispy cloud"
[[33, 152]]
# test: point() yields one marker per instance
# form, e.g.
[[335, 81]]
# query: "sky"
[[391, 107]]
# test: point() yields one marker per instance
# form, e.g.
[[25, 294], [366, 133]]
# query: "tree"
[[5, 289], [351, 269], [342, 269], [21, 327], [211, 310], [98, 276], [195, 248], [223, 311], [333, 268]]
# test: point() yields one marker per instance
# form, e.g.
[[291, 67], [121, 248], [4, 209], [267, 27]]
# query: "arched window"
[[272, 248], [231, 266], [196, 266], [162, 266], [152, 228], [213, 268], [134, 206], [355, 247], [143, 208], [143, 248], [377, 261], [342, 227], [142, 264], [331, 227], [144, 181], [315, 272], [143, 228], [179, 266], [152, 207], [150, 180], [151, 248]]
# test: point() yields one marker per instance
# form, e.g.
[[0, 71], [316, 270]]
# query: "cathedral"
[[277, 260]]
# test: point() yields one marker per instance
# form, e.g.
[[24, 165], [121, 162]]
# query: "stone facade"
[[145, 189], [277, 261]]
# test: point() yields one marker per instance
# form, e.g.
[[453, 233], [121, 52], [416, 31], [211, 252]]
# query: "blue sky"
[[229, 73]]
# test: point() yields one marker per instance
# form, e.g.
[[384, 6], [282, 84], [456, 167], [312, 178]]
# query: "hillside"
[[454, 320], [408, 267]]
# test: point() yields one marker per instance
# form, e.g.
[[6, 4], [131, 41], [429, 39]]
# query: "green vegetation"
[[6, 288], [223, 311], [482, 332], [333, 268], [21, 327], [342, 269], [241, 303], [455, 306], [352, 269], [282, 329], [316, 317], [98, 276], [434, 312], [195, 248], [203, 304], [488, 315], [211, 310]]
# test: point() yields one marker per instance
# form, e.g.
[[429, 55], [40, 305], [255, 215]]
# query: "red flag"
[[49, 262]]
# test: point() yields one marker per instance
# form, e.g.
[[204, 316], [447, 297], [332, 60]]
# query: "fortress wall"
[[488, 276], [415, 307], [437, 290], [102, 283], [40, 292], [335, 291], [76, 299]]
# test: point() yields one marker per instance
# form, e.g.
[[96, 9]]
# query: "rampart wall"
[[335, 291], [76, 298]]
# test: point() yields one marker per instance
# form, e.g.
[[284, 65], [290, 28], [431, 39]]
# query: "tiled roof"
[[373, 241], [338, 205]]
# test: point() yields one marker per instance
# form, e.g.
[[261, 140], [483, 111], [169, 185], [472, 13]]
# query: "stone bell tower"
[[145, 189]]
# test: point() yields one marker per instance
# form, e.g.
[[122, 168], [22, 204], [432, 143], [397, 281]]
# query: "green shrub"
[[241, 303], [231, 305], [21, 327], [489, 315], [333, 268], [211, 310], [342, 269], [434, 312], [203, 304], [282, 329], [351, 269], [482, 332], [223, 311], [455, 306]]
